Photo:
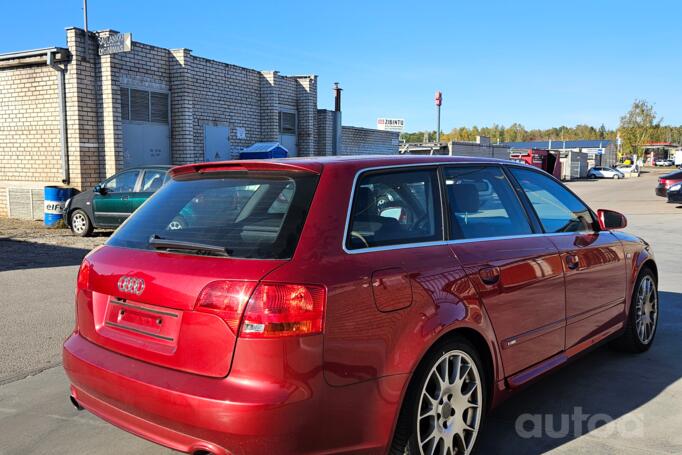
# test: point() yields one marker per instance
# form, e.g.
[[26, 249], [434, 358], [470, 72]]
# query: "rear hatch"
[[170, 285]]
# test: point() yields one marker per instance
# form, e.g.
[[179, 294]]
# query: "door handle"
[[489, 275], [572, 261]]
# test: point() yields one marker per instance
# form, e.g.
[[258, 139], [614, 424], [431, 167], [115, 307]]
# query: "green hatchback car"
[[112, 201]]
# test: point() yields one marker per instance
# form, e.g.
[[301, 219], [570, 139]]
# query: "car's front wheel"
[[445, 407], [643, 318], [80, 223]]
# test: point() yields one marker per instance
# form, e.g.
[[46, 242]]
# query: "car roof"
[[164, 167], [316, 164]]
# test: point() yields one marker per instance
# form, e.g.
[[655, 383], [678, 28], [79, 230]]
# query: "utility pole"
[[439, 101]]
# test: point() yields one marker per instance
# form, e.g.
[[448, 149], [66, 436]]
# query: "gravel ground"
[[29, 244]]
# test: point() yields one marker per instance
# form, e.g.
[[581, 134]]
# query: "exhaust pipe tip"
[[75, 403]]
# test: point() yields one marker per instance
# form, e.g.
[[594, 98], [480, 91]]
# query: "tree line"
[[640, 125]]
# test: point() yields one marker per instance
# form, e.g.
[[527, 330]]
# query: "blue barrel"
[[55, 197]]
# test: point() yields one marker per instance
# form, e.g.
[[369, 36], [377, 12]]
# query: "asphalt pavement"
[[606, 402]]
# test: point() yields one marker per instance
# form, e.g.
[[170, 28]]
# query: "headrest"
[[464, 197], [363, 202]]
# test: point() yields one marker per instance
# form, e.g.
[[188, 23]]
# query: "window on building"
[[144, 106], [395, 208], [159, 107], [287, 123], [125, 104], [139, 105], [483, 204]]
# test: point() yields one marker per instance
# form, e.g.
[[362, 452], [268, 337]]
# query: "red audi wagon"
[[347, 305]]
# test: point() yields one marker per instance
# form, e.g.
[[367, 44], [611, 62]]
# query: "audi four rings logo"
[[131, 285]]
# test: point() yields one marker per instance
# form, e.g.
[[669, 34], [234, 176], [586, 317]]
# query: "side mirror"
[[100, 189], [609, 219]]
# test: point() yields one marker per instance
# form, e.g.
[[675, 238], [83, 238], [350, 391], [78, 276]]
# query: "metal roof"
[[31, 53], [265, 147], [584, 144]]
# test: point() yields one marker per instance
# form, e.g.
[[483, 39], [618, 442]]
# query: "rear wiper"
[[159, 243]]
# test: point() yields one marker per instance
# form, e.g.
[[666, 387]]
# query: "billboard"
[[391, 124]]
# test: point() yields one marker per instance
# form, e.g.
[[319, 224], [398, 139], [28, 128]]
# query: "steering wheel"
[[356, 234]]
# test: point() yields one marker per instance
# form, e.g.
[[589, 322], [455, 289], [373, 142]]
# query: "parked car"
[[369, 304], [600, 172], [674, 193], [666, 181], [628, 169], [664, 163], [112, 201]]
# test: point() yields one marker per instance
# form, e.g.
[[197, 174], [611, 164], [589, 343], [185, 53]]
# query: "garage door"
[[146, 127]]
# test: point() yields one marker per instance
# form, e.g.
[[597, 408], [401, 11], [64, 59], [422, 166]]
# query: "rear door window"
[[394, 208], [557, 208], [152, 180], [482, 204], [249, 214]]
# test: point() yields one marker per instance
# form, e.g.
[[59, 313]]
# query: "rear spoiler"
[[246, 165]]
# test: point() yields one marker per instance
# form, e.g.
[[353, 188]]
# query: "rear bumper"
[[661, 190], [233, 415], [183, 411]]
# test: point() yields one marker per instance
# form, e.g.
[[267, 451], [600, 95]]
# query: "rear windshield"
[[250, 214]]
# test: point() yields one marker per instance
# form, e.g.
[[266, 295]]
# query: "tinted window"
[[250, 214], [122, 183], [395, 208], [152, 180], [483, 204], [558, 209]]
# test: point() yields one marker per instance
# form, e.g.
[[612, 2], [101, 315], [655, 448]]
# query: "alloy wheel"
[[449, 412], [646, 310], [79, 223]]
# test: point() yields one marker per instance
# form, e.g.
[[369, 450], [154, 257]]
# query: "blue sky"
[[539, 63]]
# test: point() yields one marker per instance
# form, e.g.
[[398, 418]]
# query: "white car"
[[628, 169], [600, 172], [664, 163]]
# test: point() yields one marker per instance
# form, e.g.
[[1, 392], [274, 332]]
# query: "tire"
[[616, 177], [80, 223], [634, 338], [452, 410], [592, 176]]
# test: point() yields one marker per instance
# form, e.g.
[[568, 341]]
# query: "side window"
[[483, 204], [392, 208], [122, 183], [558, 209], [152, 181]]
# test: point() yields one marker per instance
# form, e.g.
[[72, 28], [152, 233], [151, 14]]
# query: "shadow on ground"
[[602, 382], [18, 254]]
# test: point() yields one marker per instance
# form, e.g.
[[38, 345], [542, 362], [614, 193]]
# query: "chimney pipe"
[[337, 97]]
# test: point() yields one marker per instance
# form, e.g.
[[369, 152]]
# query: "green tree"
[[638, 126]]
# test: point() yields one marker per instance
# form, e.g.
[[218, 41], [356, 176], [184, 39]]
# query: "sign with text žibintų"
[[115, 43], [391, 124]]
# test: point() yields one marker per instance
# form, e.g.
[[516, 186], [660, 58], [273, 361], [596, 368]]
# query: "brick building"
[[70, 116]]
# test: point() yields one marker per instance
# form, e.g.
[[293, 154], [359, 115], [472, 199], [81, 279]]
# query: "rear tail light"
[[226, 299], [273, 310], [83, 280], [280, 310], [82, 286]]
